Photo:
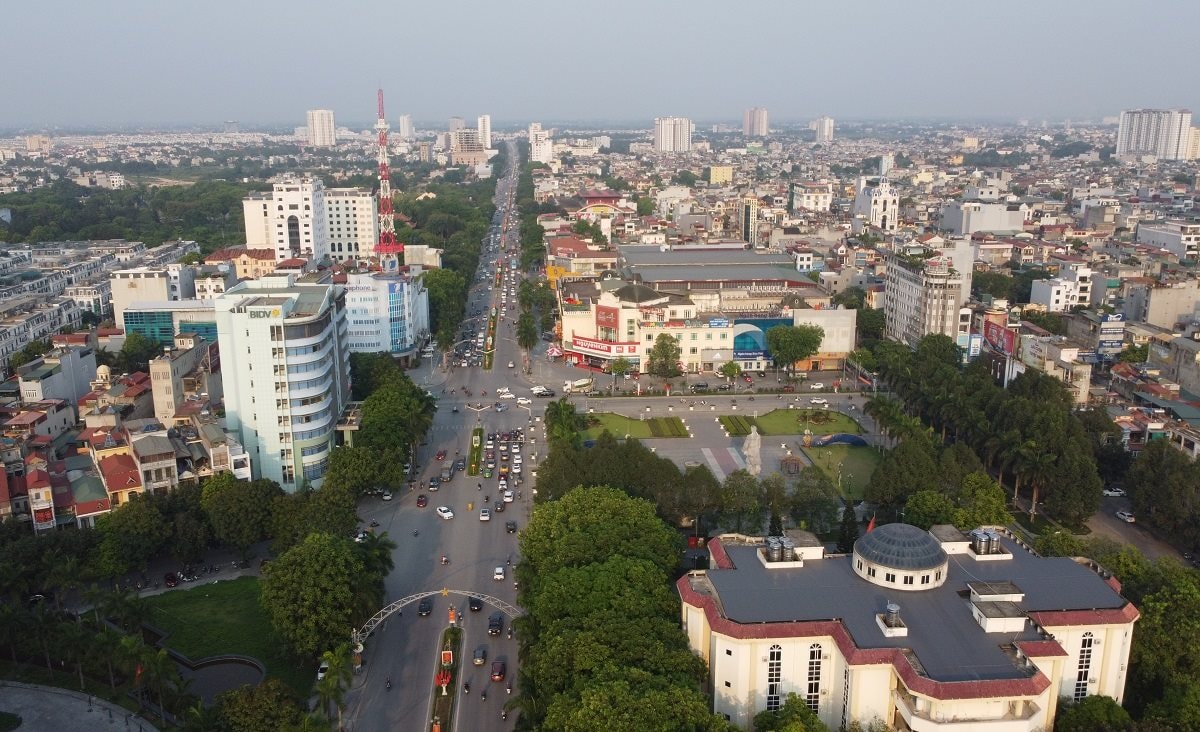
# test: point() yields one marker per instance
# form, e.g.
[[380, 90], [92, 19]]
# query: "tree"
[[791, 343], [740, 499], [685, 178], [1092, 714], [619, 366], [563, 423], [308, 593], [905, 470], [793, 716], [268, 707], [331, 690], [132, 534], [847, 530], [527, 332], [815, 500], [730, 370], [239, 512], [851, 297], [136, 353], [663, 359], [981, 502], [353, 468]]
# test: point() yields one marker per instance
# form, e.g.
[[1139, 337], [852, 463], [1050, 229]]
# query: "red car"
[[422, 501], [747, 379], [441, 454]]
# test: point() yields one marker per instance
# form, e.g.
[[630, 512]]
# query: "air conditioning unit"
[[825, 657]]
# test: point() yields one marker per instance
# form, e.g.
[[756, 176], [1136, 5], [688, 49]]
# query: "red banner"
[[999, 339], [607, 317]]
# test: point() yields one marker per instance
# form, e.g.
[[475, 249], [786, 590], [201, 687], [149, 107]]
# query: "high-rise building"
[[926, 296], [455, 124], [290, 219], [886, 162], [286, 366], [541, 147], [484, 127], [1163, 133], [672, 134], [388, 313], [754, 122], [231, 127], [823, 127], [466, 148], [748, 220], [404, 127], [352, 218], [321, 130]]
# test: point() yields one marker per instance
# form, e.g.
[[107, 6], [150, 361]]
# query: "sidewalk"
[[50, 709]]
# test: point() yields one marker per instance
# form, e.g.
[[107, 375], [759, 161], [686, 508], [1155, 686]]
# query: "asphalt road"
[[405, 648]]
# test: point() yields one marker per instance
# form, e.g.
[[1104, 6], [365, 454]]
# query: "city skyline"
[[192, 65]]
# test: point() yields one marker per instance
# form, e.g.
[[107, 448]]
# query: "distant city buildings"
[[672, 134], [755, 123], [455, 124], [321, 130], [404, 127], [1162, 133], [541, 147], [823, 127], [484, 127]]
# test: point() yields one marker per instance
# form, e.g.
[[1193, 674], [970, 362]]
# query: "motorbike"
[[508, 688], [445, 560], [388, 684], [467, 688], [483, 696], [374, 523]]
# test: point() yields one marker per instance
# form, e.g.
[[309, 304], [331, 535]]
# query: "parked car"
[[322, 670], [1126, 516], [724, 387], [816, 386], [1114, 492], [170, 579], [387, 495]]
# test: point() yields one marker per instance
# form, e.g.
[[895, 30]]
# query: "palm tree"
[[62, 574], [1039, 467], [332, 688], [45, 622], [13, 619], [1017, 457], [106, 646], [72, 644], [885, 411], [199, 718], [160, 671]]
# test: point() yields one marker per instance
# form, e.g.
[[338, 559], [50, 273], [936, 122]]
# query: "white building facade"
[[386, 313], [823, 127], [755, 122], [483, 126], [672, 134], [290, 219], [812, 196], [541, 146], [352, 216], [1071, 288], [967, 217], [878, 203], [925, 296], [322, 131], [1162, 133], [286, 363], [1177, 237]]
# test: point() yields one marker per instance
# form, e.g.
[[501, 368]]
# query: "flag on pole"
[[871, 525]]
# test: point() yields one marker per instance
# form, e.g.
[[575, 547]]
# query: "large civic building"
[[290, 219], [285, 349], [924, 630]]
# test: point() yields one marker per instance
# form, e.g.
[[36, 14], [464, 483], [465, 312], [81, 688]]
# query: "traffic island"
[[473, 457], [445, 681]]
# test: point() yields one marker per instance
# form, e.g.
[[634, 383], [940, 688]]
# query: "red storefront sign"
[[604, 348], [607, 317]]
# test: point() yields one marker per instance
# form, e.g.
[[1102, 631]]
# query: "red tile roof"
[[120, 473]]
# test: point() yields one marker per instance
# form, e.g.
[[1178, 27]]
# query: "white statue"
[[752, 451]]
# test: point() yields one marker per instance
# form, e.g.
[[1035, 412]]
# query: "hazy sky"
[[157, 62]]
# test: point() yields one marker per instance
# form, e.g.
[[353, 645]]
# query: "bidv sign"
[[272, 313]]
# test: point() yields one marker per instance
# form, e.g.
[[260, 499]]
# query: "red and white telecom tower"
[[387, 248]]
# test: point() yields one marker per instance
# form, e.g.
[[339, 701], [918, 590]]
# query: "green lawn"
[[226, 617], [858, 465], [791, 422], [640, 429], [476, 452]]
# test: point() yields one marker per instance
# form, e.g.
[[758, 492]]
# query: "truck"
[[577, 385]]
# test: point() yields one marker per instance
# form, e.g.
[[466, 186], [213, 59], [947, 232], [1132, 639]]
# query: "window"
[[1085, 667], [812, 694], [889, 577], [728, 652], [860, 564], [728, 685], [924, 579], [908, 579], [774, 676], [870, 571]]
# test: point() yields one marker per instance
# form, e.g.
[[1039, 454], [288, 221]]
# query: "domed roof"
[[103, 372], [901, 546]]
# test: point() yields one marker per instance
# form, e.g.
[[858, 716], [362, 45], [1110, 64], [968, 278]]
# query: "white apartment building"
[[930, 631], [541, 147], [672, 134], [321, 130], [173, 282], [1177, 237], [926, 295], [878, 203], [1163, 133], [755, 122], [963, 218], [483, 126], [386, 313], [31, 318], [404, 127], [286, 364], [290, 219], [823, 127], [1071, 288], [1165, 304], [352, 215], [96, 298], [811, 196]]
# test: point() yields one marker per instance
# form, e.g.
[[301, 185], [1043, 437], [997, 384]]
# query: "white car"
[[485, 514], [1114, 492], [818, 400], [498, 574], [508, 395], [1126, 516], [516, 468], [816, 386], [387, 495], [511, 365], [508, 496], [524, 400], [502, 390], [322, 670], [445, 512]]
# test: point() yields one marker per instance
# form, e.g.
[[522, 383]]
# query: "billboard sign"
[[999, 339], [607, 317]]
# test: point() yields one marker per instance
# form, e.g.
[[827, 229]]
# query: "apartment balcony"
[[1021, 716], [309, 391]]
